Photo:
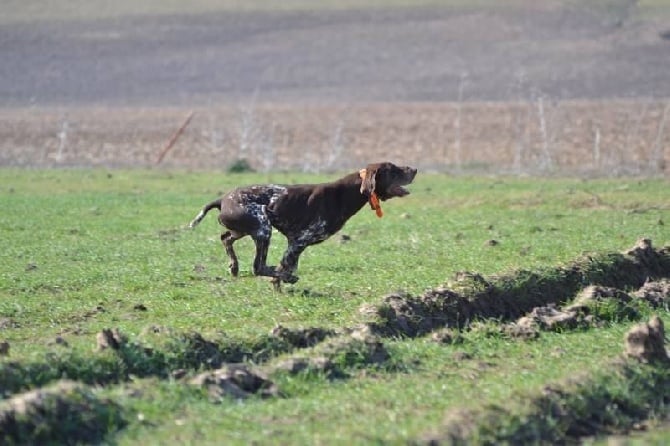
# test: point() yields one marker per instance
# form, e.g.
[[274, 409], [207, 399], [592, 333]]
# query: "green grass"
[[17, 11], [89, 249]]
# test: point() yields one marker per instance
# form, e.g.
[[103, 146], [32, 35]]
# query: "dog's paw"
[[289, 278]]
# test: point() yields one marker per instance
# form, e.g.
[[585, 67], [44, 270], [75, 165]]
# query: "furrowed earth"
[[582, 295]]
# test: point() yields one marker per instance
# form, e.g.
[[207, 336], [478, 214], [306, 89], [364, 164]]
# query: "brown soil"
[[646, 342], [423, 51], [235, 381]]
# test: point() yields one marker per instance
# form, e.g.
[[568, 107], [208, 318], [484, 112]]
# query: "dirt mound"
[[656, 293], [235, 381], [470, 296], [603, 303], [645, 342], [64, 413], [191, 350], [548, 318], [110, 338], [337, 355], [593, 306]]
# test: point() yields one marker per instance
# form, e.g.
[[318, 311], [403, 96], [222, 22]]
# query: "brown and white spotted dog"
[[306, 214]]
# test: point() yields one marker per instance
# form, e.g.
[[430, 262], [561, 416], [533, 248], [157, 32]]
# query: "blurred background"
[[514, 87]]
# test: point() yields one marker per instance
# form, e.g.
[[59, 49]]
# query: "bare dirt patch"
[[646, 342], [358, 52], [235, 381]]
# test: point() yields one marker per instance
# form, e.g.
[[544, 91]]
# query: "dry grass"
[[610, 137]]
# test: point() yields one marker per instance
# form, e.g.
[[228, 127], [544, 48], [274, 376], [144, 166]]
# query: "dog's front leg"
[[288, 264]]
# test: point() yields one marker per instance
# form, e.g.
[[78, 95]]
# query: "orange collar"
[[374, 199]]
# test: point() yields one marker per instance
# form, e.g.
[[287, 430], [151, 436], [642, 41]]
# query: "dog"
[[306, 214]]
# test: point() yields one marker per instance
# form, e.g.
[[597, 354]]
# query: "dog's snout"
[[410, 172]]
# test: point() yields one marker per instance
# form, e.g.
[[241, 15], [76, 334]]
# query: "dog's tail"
[[216, 204]]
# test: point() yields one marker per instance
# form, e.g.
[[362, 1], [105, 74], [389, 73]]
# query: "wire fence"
[[535, 136]]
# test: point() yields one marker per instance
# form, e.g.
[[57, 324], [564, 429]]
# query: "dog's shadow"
[[306, 292]]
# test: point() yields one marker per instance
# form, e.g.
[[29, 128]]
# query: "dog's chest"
[[315, 232]]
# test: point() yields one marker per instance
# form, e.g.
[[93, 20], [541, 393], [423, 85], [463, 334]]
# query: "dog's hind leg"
[[261, 268], [262, 240], [228, 238]]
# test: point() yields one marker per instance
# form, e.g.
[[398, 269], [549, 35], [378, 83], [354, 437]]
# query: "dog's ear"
[[368, 184]]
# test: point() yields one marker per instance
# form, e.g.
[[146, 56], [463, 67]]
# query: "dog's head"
[[386, 180]]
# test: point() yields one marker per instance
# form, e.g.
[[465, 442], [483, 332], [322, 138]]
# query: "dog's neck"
[[373, 198], [357, 199]]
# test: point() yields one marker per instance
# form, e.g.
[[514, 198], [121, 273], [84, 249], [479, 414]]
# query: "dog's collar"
[[374, 199]]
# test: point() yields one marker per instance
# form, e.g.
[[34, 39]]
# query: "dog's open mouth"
[[394, 187], [398, 191]]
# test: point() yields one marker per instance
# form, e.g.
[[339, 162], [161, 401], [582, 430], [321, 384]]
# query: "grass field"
[[85, 250], [17, 11]]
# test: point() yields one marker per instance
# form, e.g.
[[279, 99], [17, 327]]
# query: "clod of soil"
[[546, 318], [645, 342], [58, 340], [64, 413], [235, 381], [140, 307], [603, 303], [550, 318], [591, 306], [110, 338], [446, 336], [657, 294], [7, 323]]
